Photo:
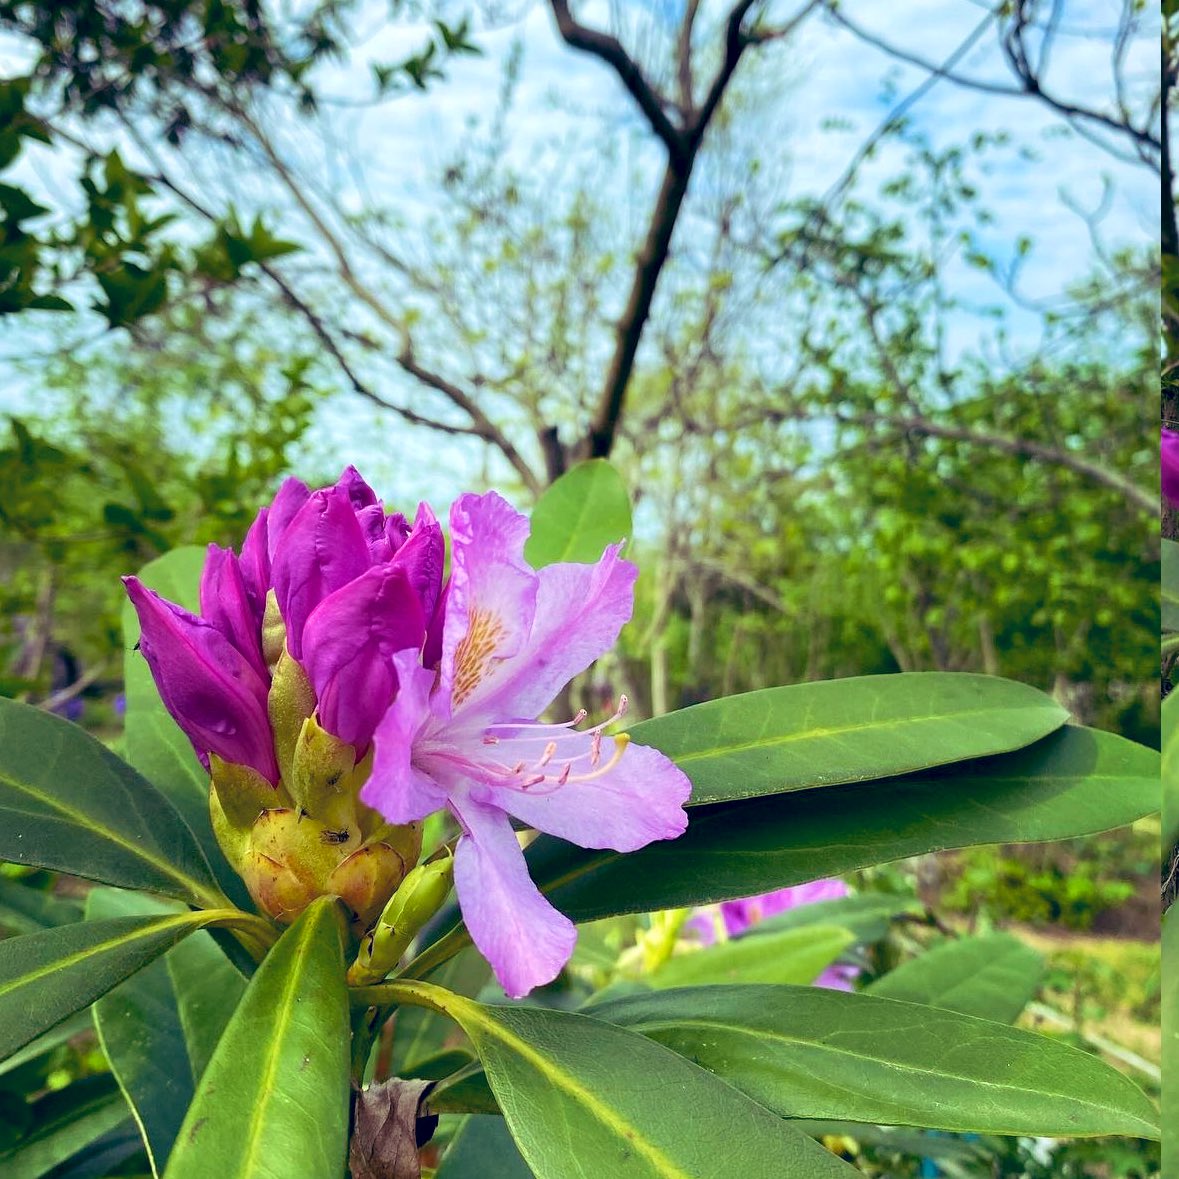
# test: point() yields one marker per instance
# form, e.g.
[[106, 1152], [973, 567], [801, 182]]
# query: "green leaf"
[[465, 1091], [1076, 782], [274, 1098], [48, 975], [67, 803], [577, 1091], [77, 1024], [791, 956], [160, 1027], [420, 1033], [585, 510], [1170, 585], [65, 1122], [1170, 1013], [1170, 773], [852, 730], [25, 908], [866, 915], [483, 1149], [993, 977], [813, 1053]]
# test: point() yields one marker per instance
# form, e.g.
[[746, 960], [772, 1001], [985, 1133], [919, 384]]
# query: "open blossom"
[[1169, 455], [348, 586], [738, 916], [462, 734]]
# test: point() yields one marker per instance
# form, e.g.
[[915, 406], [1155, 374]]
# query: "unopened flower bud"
[[274, 632], [320, 776], [420, 896], [362, 880], [290, 702]]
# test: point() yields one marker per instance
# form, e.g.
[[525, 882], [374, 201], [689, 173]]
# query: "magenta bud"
[[322, 550], [210, 688]]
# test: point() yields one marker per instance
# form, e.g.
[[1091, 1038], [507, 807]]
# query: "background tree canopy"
[[864, 431]]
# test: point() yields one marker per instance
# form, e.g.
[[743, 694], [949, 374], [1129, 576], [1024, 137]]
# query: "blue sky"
[[824, 73]]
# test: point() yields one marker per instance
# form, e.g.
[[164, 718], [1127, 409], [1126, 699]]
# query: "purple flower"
[[1169, 455], [463, 735], [737, 916], [351, 586]]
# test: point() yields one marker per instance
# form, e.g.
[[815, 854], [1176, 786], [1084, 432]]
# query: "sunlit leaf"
[[585, 510], [851, 730], [160, 1027], [66, 802], [814, 1053], [48, 975], [274, 1098], [573, 1087], [992, 976]]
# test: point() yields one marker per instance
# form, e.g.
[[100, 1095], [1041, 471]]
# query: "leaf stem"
[[434, 955]]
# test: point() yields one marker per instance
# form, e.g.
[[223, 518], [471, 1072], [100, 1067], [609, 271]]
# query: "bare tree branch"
[[481, 423], [1030, 76], [683, 151], [609, 49]]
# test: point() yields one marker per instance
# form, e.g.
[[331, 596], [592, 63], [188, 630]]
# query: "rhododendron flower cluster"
[[339, 693]]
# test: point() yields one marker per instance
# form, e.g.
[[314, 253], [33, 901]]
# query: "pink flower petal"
[[255, 565], [359, 494], [491, 598], [521, 935], [207, 685], [423, 556], [395, 787], [226, 605], [580, 610], [291, 496], [635, 801]]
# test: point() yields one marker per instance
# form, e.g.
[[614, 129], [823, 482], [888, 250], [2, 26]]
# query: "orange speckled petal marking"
[[476, 652]]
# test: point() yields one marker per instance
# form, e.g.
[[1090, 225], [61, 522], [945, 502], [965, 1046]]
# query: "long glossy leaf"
[[160, 1027], [1075, 782], [583, 1097], [152, 741], [813, 1053], [65, 1122], [420, 1033], [1170, 585], [66, 802], [48, 975], [585, 510], [791, 956], [78, 1024], [274, 1099], [24, 908], [851, 730], [483, 1149], [993, 977], [1170, 774], [1170, 1013]]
